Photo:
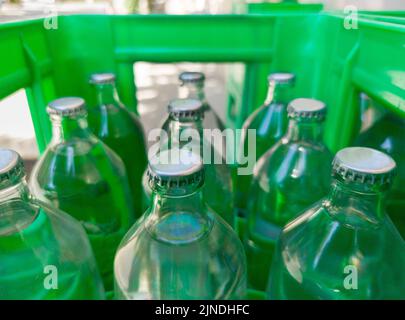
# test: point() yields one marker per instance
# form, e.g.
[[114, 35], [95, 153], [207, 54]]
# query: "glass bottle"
[[192, 87], [344, 246], [44, 253], [270, 122], [388, 135], [288, 178], [180, 248], [185, 116], [83, 177], [119, 129]]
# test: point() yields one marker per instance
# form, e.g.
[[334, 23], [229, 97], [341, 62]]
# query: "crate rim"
[[365, 17]]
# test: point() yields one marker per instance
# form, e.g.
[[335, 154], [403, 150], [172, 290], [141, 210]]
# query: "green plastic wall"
[[332, 63]]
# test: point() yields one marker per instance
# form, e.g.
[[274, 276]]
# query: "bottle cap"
[[102, 78], [281, 78], [175, 168], [305, 108], [364, 165], [186, 108], [69, 106], [11, 167], [191, 77]]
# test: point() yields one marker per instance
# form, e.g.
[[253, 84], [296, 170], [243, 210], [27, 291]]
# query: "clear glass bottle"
[[180, 248], [186, 115], [270, 122], [80, 175], [388, 135], [344, 246], [119, 129], [288, 178], [44, 253]]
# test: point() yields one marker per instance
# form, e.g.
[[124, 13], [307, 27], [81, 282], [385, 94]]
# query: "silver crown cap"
[[281, 78], [102, 78], [186, 107], [306, 108], [365, 165], [175, 168], [191, 76], [68, 106], [11, 167]]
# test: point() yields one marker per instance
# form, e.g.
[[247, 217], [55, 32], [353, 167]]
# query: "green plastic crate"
[[332, 63]]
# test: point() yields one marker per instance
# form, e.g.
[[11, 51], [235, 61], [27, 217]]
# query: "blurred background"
[[156, 83]]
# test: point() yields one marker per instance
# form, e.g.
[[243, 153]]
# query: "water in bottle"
[[80, 175], [388, 135], [344, 246], [44, 253], [288, 178], [270, 124], [186, 116], [180, 248], [119, 129]]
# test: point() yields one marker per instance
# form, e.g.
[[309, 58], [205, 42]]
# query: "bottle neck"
[[182, 131], [18, 191], [356, 200], [192, 91], [16, 211], [307, 130], [187, 199], [178, 216], [278, 93], [65, 128], [106, 94]]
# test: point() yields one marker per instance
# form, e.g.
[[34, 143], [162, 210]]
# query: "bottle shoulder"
[[290, 160], [114, 121], [64, 171], [285, 185], [179, 230], [317, 252], [78, 153], [38, 225], [307, 148], [210, 266], [320, 230], [74, 146], [267, 118], [50, 244]]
